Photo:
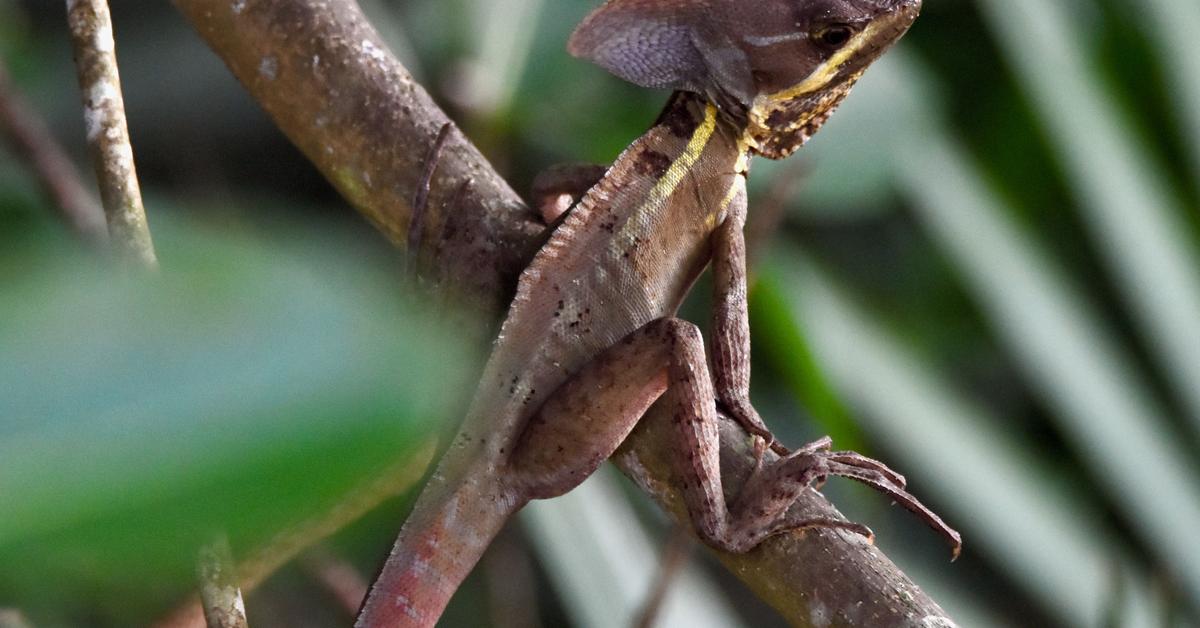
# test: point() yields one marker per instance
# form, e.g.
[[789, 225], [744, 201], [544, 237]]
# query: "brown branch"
[[511, 583], [338, 577], [107, 132], [327, 80], [324, 76], [31, 141], [219, 591]]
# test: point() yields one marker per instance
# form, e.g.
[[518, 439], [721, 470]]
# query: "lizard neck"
[[686, 115]]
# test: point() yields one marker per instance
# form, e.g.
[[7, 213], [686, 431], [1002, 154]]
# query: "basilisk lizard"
[[590, 340]]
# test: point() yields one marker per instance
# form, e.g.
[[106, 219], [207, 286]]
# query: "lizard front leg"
[[585, 421], [731, 320]]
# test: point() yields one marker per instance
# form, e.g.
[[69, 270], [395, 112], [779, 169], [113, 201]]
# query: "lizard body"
[[589, 341]]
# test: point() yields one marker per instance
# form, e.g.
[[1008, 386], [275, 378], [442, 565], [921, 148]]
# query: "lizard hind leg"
[[589, 416]]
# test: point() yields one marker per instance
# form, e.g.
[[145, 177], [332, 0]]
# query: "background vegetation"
[[984, 271]]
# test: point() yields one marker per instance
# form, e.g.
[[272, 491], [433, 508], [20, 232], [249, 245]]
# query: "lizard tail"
[[451, 525]]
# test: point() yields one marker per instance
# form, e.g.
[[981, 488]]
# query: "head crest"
[[782, 64]]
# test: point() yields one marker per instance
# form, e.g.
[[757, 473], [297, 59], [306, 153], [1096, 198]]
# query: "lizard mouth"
[[781, 122]]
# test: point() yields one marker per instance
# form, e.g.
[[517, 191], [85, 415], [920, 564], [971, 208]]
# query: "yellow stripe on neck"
[[669, 181], [691, 154]]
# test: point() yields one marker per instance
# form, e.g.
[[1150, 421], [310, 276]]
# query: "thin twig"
[[338, 576], [31, 141], [674, 557], [219, 590], [107, 133], [511, 583], [771, 209]]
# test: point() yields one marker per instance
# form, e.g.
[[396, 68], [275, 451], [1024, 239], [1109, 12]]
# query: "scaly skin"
[[590, 340]]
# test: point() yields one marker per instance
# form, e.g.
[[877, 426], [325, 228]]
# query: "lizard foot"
[[748, 418], [775, 485]]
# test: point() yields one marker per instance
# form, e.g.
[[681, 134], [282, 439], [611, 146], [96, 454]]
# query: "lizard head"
[[779, 67], [797, 92]]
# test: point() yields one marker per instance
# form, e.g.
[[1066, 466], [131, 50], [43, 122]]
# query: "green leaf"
[[993, 485], [1173, 24], [1103, 406], [239, 389], [1134, 215]]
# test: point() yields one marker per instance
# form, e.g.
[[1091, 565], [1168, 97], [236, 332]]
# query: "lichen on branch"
[[107, 132]]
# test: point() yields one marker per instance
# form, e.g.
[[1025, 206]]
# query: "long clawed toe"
[[879, 477], [420, 201]]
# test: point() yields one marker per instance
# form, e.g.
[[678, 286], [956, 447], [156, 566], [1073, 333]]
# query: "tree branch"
[[326, 79], [107, 133], [339, 577], [219, 590], [32, 142]]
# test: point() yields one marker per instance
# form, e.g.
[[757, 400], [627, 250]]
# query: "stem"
[[32, 142], [326, 78], [219, 591], [107, 132], [674, 556], [338, 576]]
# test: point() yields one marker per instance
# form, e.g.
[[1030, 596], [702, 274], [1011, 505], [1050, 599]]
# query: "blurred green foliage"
[[245, 387], [988, 277]]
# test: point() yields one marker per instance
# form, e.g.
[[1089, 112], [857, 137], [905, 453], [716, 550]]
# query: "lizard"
[[591, 340]]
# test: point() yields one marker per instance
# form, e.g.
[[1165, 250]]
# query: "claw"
[[880, 482], [752, 423], [760, 450]]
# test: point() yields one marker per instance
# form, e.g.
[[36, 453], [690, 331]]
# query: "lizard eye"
[[833, 37]]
